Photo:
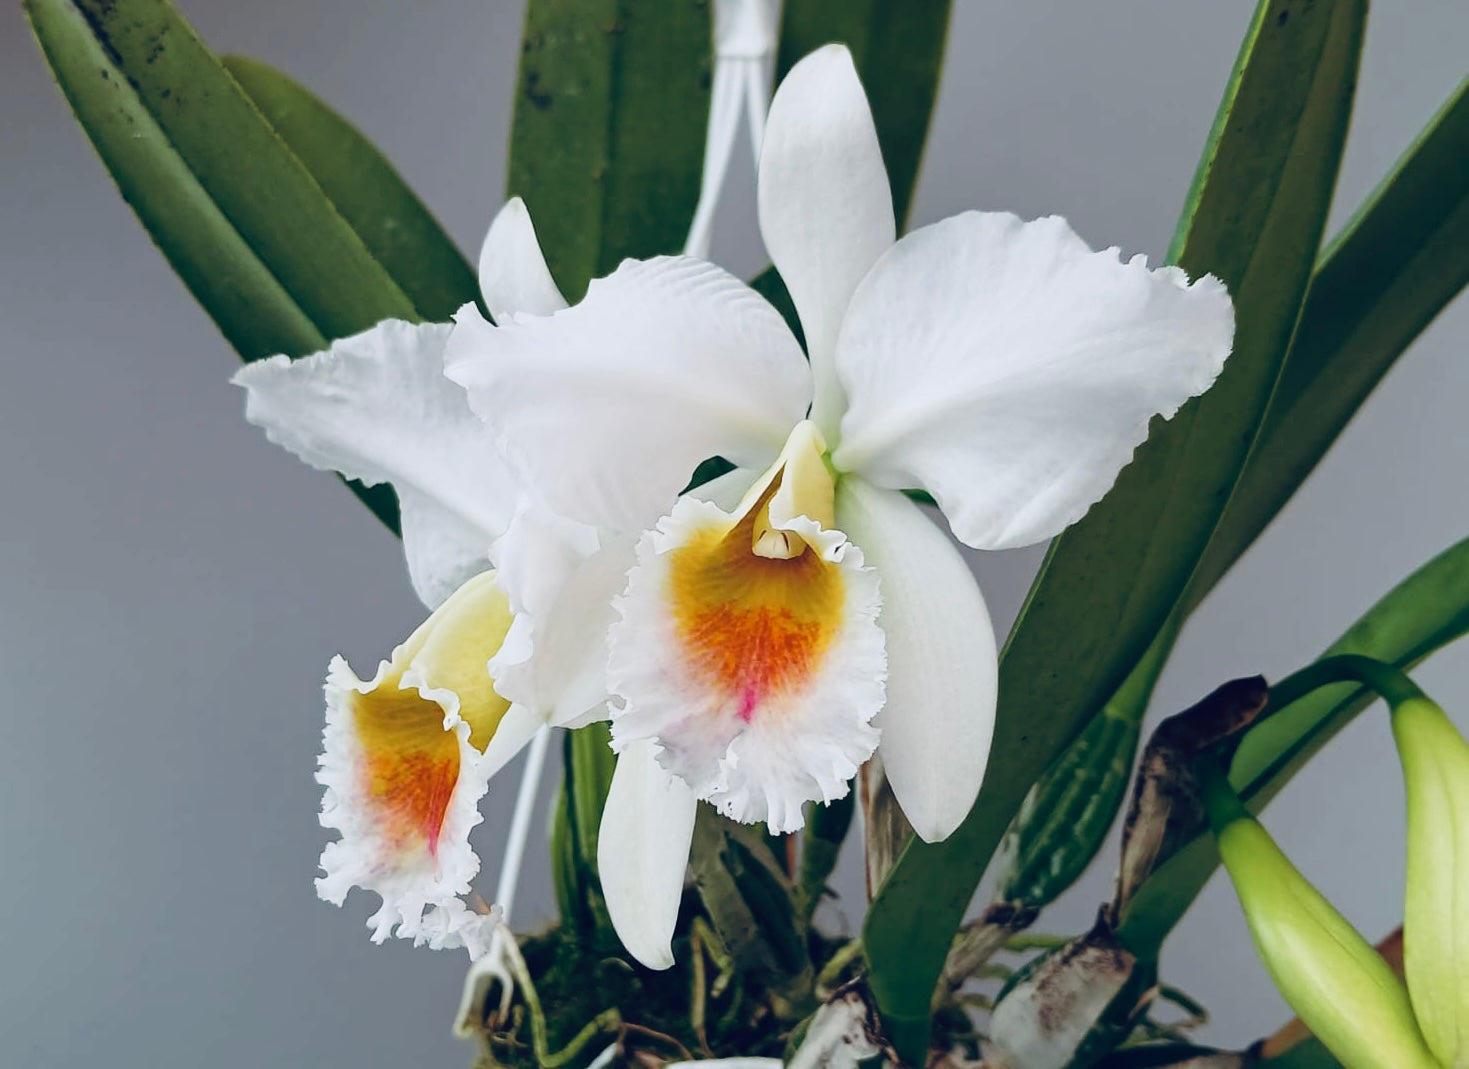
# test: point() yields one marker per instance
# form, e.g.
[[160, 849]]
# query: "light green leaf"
[[1422, 614], [607, 143], [398, 230], [1253, 218]]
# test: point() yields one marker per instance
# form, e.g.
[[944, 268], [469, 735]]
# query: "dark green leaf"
[[826, 830], [1307, 1054], [898, 47], [1070, 810], [238, 216], [1253, 218], [608, 138], [1400, 260], [239, 292], [257, 183], [1422, 614], [371, 196], [587, 766]]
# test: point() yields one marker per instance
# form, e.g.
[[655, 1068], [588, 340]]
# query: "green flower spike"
[[1435, 761]]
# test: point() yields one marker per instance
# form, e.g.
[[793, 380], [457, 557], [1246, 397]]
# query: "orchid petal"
[[826, 209], [748, 647], [513, 276], [943, 667], [643, 852], [377, 407], [609, 406], [1435, 759], [1011, 371], [404, 769], [561, 578]]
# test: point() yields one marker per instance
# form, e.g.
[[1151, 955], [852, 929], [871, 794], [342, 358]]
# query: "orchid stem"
[[1388, 681]]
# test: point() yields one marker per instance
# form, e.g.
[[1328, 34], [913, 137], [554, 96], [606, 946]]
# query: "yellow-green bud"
[[1337, 984], [1435, 761]]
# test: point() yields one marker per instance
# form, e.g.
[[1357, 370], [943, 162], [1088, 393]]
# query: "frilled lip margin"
[[403, 786]]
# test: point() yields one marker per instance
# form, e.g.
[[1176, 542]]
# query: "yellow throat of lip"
[[754, 611]]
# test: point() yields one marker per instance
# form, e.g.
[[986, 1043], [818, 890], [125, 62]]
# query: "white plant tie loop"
[[491, 968], [744, 57]]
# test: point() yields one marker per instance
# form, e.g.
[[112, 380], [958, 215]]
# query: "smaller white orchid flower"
[[773, 636], [407, 755]]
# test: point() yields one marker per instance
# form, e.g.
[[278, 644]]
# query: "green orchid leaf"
[[1069, 812], [222, 271], [1422, 614], [898, 48], [1310, 1053], [607, 143], [252, 177], [1401, 259], [588, 763], [238, 216], [826, 829], [1392, 269], [398, 230], [1254, 219]]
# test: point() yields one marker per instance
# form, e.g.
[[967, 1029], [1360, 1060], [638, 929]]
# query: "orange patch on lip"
[[752, 626], [410, 767]]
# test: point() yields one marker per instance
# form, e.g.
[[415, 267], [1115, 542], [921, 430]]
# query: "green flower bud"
[[1338, 985], [1435, 761]]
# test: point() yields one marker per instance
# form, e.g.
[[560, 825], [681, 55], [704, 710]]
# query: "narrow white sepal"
[[826, 209], [643, 852], [943, 665], [513, 276]]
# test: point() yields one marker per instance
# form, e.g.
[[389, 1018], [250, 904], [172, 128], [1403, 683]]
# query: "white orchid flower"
[[770, 639], [407, 755]]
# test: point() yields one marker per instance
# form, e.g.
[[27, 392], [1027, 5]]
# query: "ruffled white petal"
[[419, 873], [826, 210], [406, 758], [561, 577], [758, 678], [608, 406], [942, 661], [643, 851], [513, 276], [1011, 371], [377, 407]]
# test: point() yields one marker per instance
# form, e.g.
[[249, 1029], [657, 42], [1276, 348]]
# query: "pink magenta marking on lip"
[[749, 698]]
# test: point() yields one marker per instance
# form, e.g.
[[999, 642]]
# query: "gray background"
[[171, 586]]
